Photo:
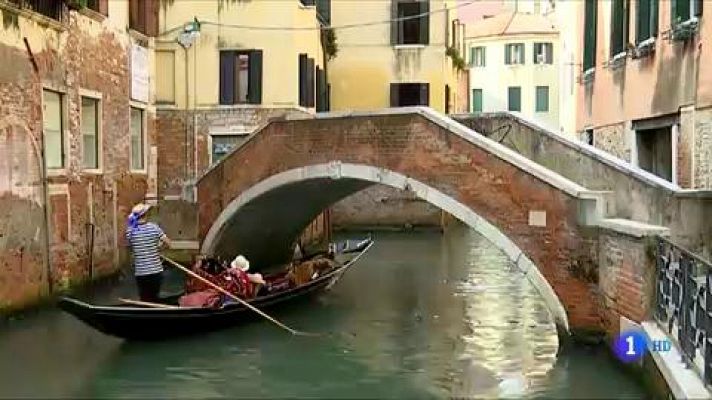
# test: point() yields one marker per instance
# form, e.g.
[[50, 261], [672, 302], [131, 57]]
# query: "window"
[[56, 10], [477, 56], [543, 53], [143, 16], [588, 137], [241, 77], [165, 81], [619, 26], [514, 53], [683, 10], [100, 6], [322, 91], [447, 99], [323, 11], [412, 30], [53, 128], [90, 133], [222, 144], [476, 100], [306, 81], [647, 20], [654, 147], [542, 99], [590, 25], [137, 140], [514, 98], [410, 94]]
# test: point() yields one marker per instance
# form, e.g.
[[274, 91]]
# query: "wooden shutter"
[[134, 12], [654, 18], [683, 9], [424, 22], [447, 99], [303, 63], [549, 48], [424, 94], [590, 28], [643, 21], [227, 77], [104, 7], [310, 82], [320, 90], [254, 85], [698, 7], [395, 25], [395, 98], [152, 8]]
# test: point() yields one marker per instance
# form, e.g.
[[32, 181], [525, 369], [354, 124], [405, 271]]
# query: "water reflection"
[[421, 316]]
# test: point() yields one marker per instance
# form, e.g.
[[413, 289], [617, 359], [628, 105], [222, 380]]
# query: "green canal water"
[[423, 315]]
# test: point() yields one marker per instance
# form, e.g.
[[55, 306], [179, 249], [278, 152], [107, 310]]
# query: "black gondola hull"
[[145, 324]]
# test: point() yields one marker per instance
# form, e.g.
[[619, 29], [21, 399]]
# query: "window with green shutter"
[[476, 100], [477, 56], [514, 53], [683, 10], [619, 26], [542, 99], [514, 98], [646, 20], [590, 28]]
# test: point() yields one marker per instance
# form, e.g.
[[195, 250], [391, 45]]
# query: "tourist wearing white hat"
[[145, 240]]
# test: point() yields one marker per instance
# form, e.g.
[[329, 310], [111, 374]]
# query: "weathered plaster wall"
[[84, 53]]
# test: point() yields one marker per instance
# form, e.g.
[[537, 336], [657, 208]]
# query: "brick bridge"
[[261, 196]]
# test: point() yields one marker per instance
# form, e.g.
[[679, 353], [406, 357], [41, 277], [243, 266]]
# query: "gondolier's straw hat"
[[140, 209], [240, 262]]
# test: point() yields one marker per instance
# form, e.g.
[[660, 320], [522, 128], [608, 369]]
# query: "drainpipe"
[[187, 127], [45, 184]]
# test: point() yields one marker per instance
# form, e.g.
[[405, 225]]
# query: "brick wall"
[[627, 277], [384, 206], [184, 154], [88, 55]]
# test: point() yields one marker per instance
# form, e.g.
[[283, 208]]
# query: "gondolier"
[[145, 240]]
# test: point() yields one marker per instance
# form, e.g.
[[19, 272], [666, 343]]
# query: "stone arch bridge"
[[262, 195]]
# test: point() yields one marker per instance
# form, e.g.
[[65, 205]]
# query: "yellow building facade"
[[190, 76], [403, 63]]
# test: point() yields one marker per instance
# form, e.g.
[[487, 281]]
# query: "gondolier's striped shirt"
[[144, 241]]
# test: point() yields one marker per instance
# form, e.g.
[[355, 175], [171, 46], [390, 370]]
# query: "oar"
[[239, 300], [146, 303]]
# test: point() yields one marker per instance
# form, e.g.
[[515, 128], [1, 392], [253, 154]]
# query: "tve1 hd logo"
[[631, 345]]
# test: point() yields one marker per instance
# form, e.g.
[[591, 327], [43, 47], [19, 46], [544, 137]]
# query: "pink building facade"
[[646, 85]]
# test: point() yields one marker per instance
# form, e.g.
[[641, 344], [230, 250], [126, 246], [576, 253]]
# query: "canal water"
[[423, 315]]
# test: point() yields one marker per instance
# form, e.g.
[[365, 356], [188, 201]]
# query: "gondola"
[[139, 323]]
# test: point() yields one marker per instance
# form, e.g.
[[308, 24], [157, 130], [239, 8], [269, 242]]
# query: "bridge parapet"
[[630, 192]]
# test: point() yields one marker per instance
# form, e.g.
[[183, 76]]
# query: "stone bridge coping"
[[603, 156]]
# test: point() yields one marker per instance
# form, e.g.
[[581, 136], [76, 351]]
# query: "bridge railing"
[[683, 304]]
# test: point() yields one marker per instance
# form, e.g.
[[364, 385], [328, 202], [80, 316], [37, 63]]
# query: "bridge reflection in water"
[[423, 316]]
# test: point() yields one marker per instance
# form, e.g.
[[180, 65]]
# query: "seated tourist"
[[239, 282]]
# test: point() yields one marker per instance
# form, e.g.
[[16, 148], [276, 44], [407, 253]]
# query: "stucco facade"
[[368, 61], [495, 77], [207, 105], [662, 86]]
